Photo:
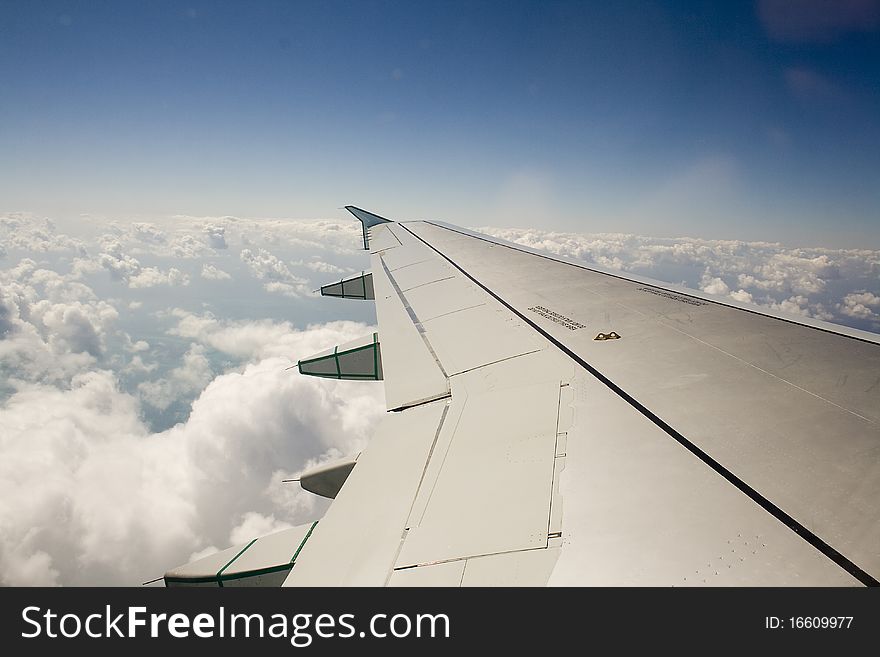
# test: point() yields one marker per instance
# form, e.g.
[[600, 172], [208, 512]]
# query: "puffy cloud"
[[287, 289], [149, 238], [791, 272], [120, 265], [256, 524], [126, 268], [150, 254], [278, 278], [795, 305], [714, 285], [861, 305], [22, 231], [262, 338], [82, 267], [338, 237], [89, 495], [90, 492], [150, 277], [315, 264], [188, 246], [51, 326], [216, 236], [46, 435], [148, 233], [212, 273], [138, 366], [191, 377], [863, 297], [742, 296], [75, 326]]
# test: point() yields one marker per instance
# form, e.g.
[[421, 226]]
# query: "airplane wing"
[[554, 423]]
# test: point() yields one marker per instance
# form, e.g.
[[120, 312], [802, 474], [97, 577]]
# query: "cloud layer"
[[91, 495], [139, 428]]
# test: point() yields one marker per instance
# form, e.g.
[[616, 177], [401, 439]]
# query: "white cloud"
[[140, 345], [75, 327], [278, 278], [315, 264], [212, 273], [192, 376], [26, 232], [119, 265], [151, 277], [82, 267], [860, 305], [714, 285], [795, 305], [148, 233], [51, 327], [263, 338], [188, 246], [742, 296], [89, 492], [88, 495], [216, 236], [339, 237], [863, 297], [138, 366], [126, 268], [168, 241], [286, 289], [256, 524]]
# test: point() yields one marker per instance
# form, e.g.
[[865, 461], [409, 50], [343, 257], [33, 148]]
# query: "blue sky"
[[754, 121]]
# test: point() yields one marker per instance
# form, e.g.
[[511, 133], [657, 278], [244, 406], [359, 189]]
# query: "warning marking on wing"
[[673, 296], [567, 322]]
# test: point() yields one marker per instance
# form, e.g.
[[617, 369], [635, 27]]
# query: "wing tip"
[[367, 219], [366, 215]]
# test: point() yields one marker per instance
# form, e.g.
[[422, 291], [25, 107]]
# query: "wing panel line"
[[795, 526], [418, 488], [415, 319]]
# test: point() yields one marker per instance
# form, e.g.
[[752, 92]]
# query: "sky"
[[752, 120], [171, 177]]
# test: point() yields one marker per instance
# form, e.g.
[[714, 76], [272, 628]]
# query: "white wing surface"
[[694, 442]]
